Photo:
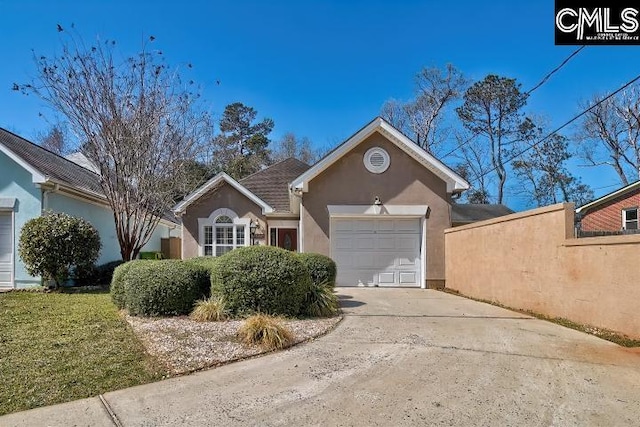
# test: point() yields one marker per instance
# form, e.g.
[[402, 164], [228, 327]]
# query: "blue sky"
[[320, 69]]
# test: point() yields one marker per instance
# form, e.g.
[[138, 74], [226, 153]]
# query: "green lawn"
[[63, 346]]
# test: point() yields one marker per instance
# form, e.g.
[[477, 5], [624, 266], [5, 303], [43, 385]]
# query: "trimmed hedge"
[[117, 283], [261, 279], [208, 262], [168, 287], [322, 269]]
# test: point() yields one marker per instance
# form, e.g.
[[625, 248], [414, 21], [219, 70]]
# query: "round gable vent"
[[376, 160]]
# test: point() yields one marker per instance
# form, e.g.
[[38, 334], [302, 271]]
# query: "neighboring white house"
[[32, 180]]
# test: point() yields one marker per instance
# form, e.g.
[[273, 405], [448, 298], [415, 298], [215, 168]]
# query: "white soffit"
[[182, 206], [455, 182]]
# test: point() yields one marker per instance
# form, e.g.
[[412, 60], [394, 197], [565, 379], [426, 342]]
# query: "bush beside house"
[[261, 279], [55, 245], [245, 281], [322, 269], [170, 287]]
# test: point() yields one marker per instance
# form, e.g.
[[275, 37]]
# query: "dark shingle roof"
[[54, 167], [272, 184], [467, 213], [57, 168]]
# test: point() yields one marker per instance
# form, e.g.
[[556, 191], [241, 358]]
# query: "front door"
[[288, 238]]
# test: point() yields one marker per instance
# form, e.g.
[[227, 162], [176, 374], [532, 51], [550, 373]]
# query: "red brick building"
[[614, 212]]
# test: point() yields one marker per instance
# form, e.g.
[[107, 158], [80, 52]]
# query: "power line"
[[555, 70], [567, 123], [527, 93]]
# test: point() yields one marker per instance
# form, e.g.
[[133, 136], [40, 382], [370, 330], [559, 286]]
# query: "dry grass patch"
[[213, 309], [265, 331]]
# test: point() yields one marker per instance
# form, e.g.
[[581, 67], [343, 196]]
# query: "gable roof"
[[215, 183], [617, 193], [455, 183], [468, 213], [272, 184], [46, 166]]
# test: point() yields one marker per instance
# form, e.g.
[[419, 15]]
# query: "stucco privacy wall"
[[15, 182], [223, 197], [531, 261], [406, 182]]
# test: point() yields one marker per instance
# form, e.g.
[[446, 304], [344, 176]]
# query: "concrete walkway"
[[400, 357]]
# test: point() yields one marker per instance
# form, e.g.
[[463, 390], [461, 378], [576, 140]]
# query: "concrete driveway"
[[400, 357]]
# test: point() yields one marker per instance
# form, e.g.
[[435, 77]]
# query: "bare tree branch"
[[134, 119]]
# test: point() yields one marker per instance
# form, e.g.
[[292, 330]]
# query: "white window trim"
[[210, 221], [455, 183], [625, 220], [12, 276]]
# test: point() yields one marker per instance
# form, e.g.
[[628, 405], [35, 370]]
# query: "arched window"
[[222, 232]]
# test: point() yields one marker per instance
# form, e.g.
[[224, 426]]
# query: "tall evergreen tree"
[[492, 110], [242, 146]]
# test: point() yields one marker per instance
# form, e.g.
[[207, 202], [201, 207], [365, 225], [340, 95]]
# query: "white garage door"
[[382, 252], [6, 250]]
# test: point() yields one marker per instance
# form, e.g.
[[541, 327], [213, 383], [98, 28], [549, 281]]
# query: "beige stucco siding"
[[406, 182], [223, 197]]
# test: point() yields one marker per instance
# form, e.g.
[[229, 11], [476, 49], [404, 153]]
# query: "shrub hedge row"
[[322, 269], [255, 279], [261, 279]]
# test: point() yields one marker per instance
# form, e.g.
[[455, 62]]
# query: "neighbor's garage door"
[[384, 252], [6, 249]]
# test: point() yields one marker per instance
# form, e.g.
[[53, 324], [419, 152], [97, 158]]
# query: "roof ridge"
[[272, 166], [602, 198], [46, 150]]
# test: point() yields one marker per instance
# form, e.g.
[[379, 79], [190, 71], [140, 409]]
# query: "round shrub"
[[322, 269], [54, 244], [117, 283], [207, 262], [169, 287], [261, 279]]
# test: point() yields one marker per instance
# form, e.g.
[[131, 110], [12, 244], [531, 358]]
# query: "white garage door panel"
[[384, 252], [364, 226], [366, 243], [343, 226], [387, 278], [407, 278], [6, 249], [386, 242]]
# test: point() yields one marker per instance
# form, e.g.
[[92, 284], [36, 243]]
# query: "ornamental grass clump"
[[265, 331], [321, 301], [212, 309]]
